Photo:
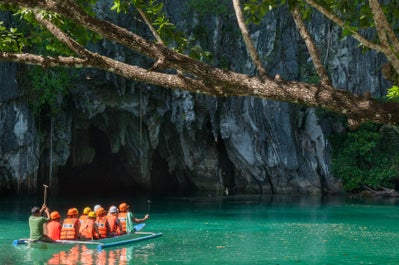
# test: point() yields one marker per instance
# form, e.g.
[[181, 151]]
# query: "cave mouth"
[[109, 173], [105, 175]]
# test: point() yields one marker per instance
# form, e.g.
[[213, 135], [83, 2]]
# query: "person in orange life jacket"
[[96, 207], [54, 226], [127, 219], [114, 223], [84, 216], [71, 225], [37, 223], [102, 223], [89, 229]]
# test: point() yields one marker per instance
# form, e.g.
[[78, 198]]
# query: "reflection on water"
[[81, 254], [232, 230]]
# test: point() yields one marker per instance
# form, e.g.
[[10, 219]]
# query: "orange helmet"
[[55, 215], [123, 207], [100, 211], [73, 211]]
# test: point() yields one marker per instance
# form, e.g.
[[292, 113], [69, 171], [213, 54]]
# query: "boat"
[[100, 244]]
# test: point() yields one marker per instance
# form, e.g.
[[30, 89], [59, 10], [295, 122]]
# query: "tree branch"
[[203, 78], [314, 54], [341, 23], [384, 31], [61, 36], [248, 41]]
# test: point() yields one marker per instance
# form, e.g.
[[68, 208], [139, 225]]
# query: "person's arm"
[[46, 210], [140, 220]]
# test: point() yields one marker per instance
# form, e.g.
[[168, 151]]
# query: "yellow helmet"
[[86, 210], [92, 214]]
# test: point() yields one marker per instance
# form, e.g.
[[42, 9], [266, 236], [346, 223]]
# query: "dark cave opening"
[[109, 173], [106, 174]]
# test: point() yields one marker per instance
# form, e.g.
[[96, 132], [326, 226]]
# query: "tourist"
[[54, 226], [127, 218], [71, 225], [89, 229], [84, 215], [102, 223], [114, 223], [37, 223]]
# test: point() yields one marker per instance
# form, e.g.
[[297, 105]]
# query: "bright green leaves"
[[255, 10], [393, 93], [39, 40], [365, 157], [11, 40]]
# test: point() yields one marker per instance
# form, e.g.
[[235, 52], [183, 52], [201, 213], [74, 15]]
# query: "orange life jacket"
[[122, 218], [54, 230], [87, 230], [103, 226], [70, 229], [113, 224], [83, 218]]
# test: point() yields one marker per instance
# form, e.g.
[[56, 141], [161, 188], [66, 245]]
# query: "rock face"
[[117, 134]]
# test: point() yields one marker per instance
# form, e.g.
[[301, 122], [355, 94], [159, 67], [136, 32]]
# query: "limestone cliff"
[[117, 134]]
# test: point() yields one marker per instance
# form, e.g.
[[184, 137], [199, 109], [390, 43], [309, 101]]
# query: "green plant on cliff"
[[48, 88], [365, 158]]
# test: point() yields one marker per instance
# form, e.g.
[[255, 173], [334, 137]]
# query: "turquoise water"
[[230, 230]]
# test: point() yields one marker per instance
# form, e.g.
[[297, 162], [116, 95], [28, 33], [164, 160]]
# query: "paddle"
[[148, 206], [45, 194], [138, 227]]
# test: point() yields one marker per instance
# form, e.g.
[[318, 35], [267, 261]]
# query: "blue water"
[[229, 230]]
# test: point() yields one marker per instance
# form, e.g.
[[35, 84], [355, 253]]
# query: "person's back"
[[54, 226], [85, 214], [102, 223], [114, 223], [88, 229], [36, 222], [70, 226], [127, 219]]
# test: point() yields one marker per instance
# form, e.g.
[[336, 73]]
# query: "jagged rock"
[[118, 134]]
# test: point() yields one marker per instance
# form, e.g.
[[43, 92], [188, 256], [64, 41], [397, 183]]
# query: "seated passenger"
[[71, 225], [114, 223], [102, 223], [54, 226], [89, 229]]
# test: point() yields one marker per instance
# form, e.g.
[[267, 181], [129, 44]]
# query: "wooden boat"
[[99, 244]]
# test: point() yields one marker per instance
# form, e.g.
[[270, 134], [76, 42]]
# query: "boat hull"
[[99, 244]]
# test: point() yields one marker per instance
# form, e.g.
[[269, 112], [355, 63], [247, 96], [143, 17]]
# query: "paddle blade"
[[139, 227]]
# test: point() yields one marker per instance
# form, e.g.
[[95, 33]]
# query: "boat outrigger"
[[99, 244]]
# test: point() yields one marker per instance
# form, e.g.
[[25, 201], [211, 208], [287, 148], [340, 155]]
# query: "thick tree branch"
[[248, 41], [205, 78], [61, 36], [314, 53], [383, 31]]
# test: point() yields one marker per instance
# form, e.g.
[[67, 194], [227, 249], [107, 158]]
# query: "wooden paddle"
[[45, 194]]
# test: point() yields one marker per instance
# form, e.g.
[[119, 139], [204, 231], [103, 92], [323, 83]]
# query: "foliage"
[[49, 86], [11, 40], [393, 93], [168, 32], [364, 158]]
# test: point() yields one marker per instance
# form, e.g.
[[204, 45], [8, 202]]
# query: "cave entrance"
[[106, 174]]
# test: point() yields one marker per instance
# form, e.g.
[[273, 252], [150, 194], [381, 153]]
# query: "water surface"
[[228, 230]]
